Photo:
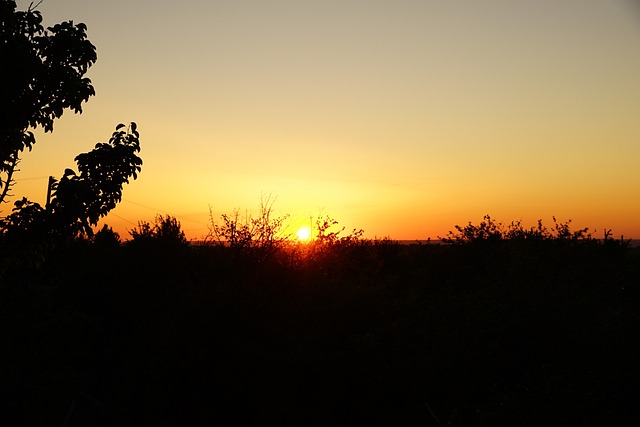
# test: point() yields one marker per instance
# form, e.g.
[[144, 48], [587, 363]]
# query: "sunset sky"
[[400, 117]]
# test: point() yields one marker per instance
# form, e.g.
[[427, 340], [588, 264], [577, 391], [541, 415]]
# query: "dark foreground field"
[[353, 333]]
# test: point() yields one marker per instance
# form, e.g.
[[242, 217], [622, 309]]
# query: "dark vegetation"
[[499, 326]]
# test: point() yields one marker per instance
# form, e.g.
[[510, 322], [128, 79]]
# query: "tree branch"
[[9, 181], [32, 7]]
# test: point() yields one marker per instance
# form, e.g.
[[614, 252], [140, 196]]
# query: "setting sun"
[[303, 233]]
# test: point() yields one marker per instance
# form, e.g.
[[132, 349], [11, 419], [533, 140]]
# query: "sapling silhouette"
[[263, 232]]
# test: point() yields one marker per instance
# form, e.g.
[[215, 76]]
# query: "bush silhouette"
[[106, 238], [488, 230], [165, 232]]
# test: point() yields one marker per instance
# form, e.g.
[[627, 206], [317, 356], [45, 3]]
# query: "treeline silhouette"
[[496, 326]]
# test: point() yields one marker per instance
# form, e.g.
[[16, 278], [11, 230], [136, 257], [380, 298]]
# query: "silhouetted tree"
[[80, 200], [42, 74]]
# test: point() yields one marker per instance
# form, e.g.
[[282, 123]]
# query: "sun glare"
[[303, 233]]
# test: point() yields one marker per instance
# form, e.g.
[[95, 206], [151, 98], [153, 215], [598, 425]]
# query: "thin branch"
[[32, 7], [9, 182]]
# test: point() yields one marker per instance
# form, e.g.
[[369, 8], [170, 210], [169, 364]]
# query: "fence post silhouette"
[[49, 186]]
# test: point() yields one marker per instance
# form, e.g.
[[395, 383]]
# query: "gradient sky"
[[400, 117]]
